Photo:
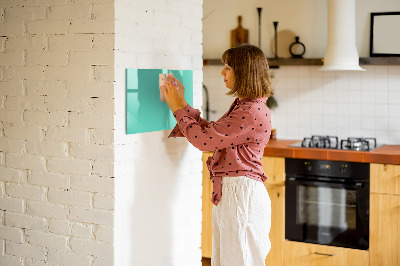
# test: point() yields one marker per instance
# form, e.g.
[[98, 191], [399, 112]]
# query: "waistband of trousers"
[[236, 179]]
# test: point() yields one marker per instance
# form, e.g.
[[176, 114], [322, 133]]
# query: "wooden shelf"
[[274, 63], [380, 61]]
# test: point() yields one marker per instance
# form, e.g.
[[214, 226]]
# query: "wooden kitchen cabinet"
[[384, 237], [206, 225], [305, 254], [277, 233], [385, 178], [274, 168]]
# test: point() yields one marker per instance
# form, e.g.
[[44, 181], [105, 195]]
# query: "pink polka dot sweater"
[[238, 139]]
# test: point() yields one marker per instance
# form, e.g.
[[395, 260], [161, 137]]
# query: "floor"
[[206, 261]]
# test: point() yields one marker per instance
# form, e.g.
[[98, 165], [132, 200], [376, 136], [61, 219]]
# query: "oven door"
[[327, 213]]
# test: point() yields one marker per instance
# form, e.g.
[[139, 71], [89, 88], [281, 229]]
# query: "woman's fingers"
[[164, 90], [171, 88], [180, 90]]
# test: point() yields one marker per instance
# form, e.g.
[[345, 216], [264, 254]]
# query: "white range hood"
[[341, 51]]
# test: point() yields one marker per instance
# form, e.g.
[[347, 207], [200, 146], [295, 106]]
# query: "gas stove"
[[332, 142]]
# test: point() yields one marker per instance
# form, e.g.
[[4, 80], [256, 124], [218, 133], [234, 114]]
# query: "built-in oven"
[[327, 202]]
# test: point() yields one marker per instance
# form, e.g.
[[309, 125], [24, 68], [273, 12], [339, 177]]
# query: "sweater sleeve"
[[231, 130], [193, 113]]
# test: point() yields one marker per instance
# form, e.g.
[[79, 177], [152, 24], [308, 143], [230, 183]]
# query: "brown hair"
[[250, 66]]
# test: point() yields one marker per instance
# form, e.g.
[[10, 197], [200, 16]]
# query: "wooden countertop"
[[389, 154]]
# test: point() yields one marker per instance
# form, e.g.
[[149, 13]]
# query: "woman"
[[242, 208]]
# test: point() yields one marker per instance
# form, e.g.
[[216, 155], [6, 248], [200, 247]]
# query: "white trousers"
[[241, 223]]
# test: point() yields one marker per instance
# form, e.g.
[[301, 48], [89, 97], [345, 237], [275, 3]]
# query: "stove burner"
[[328, 142], [358, 144], [332, 142]]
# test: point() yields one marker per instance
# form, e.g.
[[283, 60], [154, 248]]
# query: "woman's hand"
[[172, 95], [181, 92]]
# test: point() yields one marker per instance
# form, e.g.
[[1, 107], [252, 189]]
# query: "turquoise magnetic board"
[[144, 110]]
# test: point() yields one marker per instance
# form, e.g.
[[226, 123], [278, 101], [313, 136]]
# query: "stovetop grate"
[[332, 142]]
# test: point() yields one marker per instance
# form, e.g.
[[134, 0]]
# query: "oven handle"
[[324, 254], [357, 185]]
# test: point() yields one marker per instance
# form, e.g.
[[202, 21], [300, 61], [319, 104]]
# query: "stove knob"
[[308, 166], [343, 168]]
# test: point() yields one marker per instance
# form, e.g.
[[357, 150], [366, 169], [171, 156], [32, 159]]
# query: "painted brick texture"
[[56, 132], [62, 135]]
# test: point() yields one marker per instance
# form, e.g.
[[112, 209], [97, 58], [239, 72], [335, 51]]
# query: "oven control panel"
[[337, 169]]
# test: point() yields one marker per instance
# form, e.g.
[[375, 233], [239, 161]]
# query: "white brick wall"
[[56, 132], [156, 177], [62, 138]]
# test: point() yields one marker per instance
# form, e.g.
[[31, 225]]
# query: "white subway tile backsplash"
[[317, 107], [394, 97], [342, 96], [342, 81], [380, 71], [304, 72], [329, 109], [393, 71], [304, 82], [381, 122], [329, 122], [317, 131], [354, 122], [367, 96], [394, 123], [316, 83], [347, 103], [368, 123], [329, 94], [293, 120], [394, 83], [355, 96], [317, 119], [394, 137], [367, 110], [328, 74], [304, 95], [381, 110], [291, 71], [342, 109], [367, 133], [315, 71], [292, 83], [342, 122], [394, 110], [342, 133], [381, 97], [381, 136], [381, 84], [354, 80], [355, 132]]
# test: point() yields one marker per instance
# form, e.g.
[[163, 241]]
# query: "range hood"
[[341, 51]]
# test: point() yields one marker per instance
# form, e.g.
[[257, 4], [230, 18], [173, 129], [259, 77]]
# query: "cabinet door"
[[206, 226], [304, 254], [385, 178], [277, 233], [384, 229], [274, 168]]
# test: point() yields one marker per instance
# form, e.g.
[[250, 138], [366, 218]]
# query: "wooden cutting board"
[[239, 35]]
